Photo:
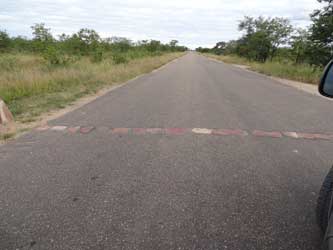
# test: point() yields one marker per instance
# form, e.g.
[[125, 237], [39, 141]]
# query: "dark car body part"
[[328, 239], [323, 80]]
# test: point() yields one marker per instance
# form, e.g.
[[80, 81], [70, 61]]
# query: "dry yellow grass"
[[30, 87], [298, 72]]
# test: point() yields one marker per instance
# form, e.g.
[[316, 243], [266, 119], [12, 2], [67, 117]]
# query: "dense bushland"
[[44, 73], [278, 48], [85, 43]]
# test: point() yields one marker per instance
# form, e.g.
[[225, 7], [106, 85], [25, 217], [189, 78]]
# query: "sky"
[[192, 22]]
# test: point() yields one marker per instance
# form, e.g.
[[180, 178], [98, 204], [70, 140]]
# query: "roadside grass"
[[6, 136], [31, 87], [297, 72]]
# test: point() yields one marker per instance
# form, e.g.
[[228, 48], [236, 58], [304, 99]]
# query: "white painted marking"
[[203, 131], [44, 128], [291, 134], [58, 128]]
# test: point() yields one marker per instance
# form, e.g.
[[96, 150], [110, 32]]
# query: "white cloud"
[[192, 22]]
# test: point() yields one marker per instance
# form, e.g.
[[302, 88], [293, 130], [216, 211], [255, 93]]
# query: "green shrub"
[[56, 57], [119, 58], [5, 41], [156, 53], [97, 55]]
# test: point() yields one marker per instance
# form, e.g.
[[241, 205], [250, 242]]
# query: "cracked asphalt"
[[104, 190]]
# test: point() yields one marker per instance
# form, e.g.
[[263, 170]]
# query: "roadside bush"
[[4, 41], [56, 57], [97, 55], [119, 58], [156, 53]]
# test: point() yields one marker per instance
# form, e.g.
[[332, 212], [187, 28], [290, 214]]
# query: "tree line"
[[270, 38], [86, 42]]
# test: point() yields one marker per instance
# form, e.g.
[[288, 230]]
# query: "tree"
[[220, 48], [20, 43], [231, 47], [153, 46], [259, 46], [83, 42], [173, 43], [41, 33], [203, 50], [279, 30], [42, 37], [88, 36], [5, 41], [300, 45], [322, 34], [121, 44], [327, 10], [274, 32]]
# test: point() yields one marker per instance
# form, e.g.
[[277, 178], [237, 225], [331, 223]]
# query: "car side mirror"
[[326, 82]]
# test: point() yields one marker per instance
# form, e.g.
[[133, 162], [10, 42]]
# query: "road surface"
[[197, 155]]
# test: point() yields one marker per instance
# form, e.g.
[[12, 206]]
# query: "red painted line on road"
[[176, 131], [139, 131], [315, 136], [237, 132], [154, 130], [121, 131], [73, 130], [273, 134], [193, 131], [324, 136], [86, 130]]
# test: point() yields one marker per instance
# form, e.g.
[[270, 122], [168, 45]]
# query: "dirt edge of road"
[[22, 128]]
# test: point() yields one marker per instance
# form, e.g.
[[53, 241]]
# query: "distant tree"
[[41, 33], [153, 46], [259, 46], [84, 42], [121, 44], [20, 43], [269, 33], [88, 36], [173, 45], [66, 49], [219, 48], [279, 30], [322, 34], [5, 41], [203, 50], [231, 47], [300, 45], [42, 37]]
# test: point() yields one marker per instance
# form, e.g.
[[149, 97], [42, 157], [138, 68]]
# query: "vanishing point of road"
[[196, 155]]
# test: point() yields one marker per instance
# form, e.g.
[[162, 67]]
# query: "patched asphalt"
[[141, 167]]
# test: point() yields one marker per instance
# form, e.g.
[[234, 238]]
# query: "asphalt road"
[[174, 187]]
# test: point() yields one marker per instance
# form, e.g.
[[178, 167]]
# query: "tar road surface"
[[147, 188]]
